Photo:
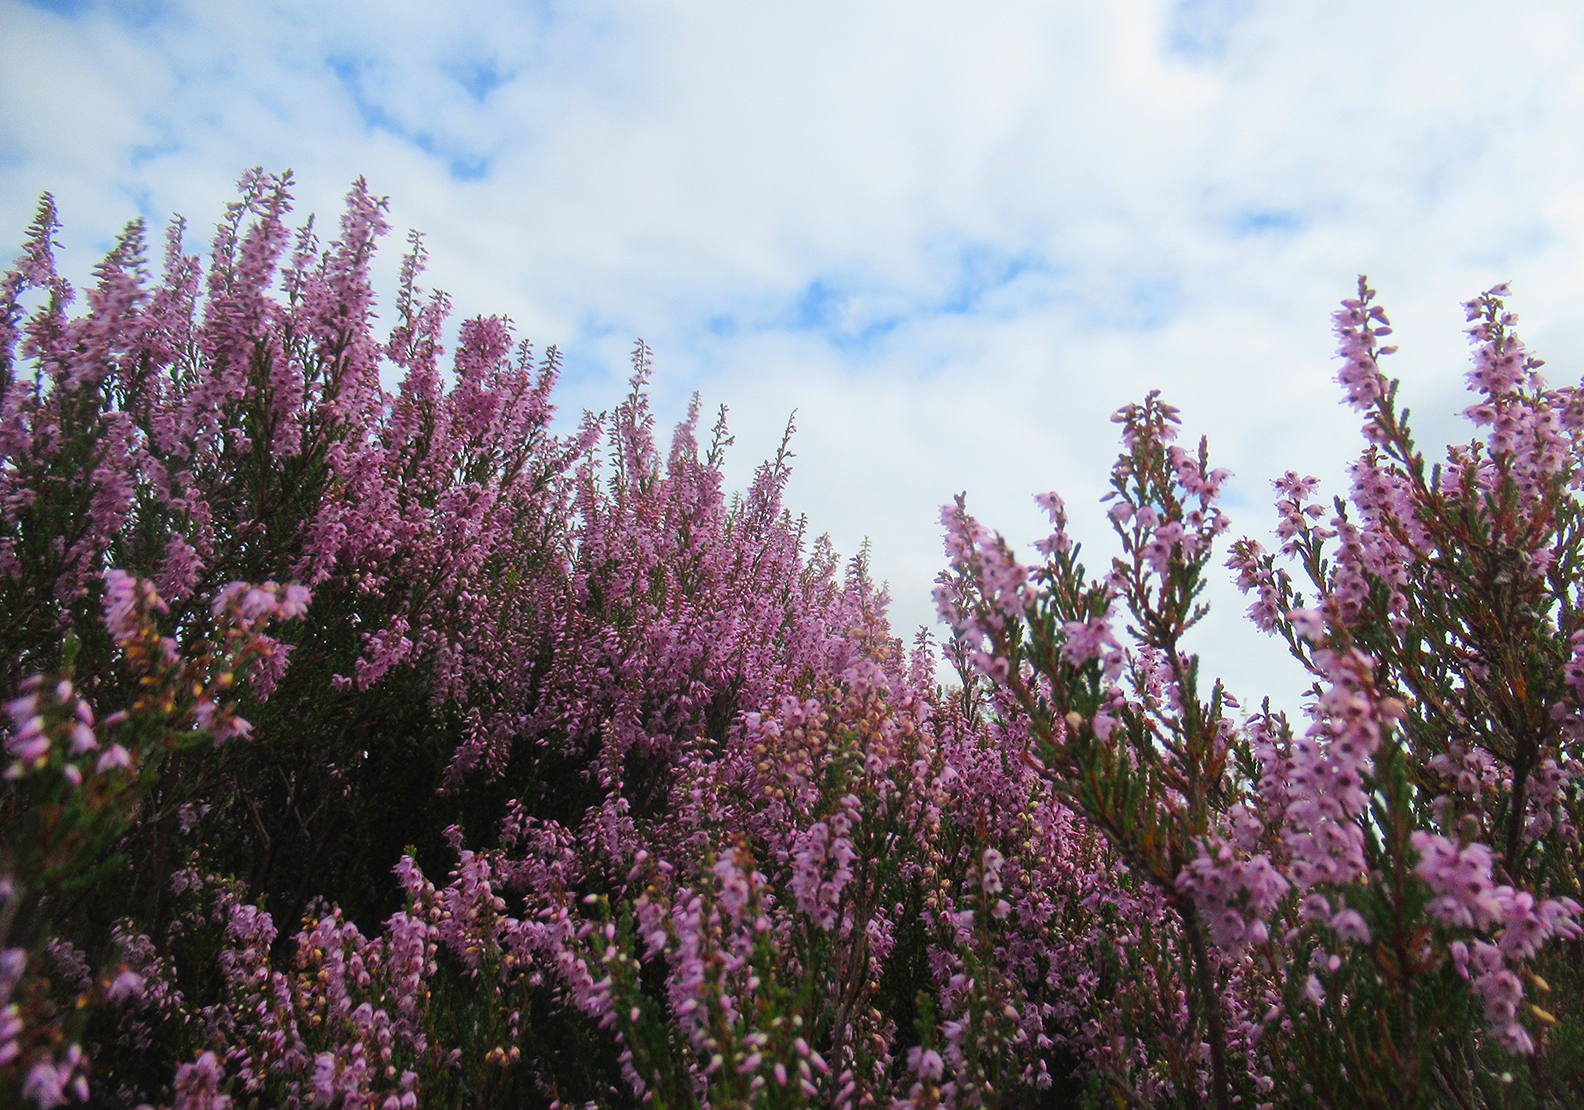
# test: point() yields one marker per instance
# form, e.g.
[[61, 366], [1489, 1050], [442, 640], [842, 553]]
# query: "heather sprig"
[[1147, 763]]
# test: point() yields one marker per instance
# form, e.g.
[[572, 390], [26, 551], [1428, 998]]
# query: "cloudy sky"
[[953, 237]]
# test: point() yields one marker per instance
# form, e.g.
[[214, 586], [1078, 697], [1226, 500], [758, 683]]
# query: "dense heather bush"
[[538, 771]]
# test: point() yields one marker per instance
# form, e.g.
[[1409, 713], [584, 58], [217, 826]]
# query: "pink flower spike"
[[120, 596]]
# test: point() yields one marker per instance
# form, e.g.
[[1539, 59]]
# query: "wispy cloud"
[[954, 242], [1201, 30], [352, 74], [478, 76]]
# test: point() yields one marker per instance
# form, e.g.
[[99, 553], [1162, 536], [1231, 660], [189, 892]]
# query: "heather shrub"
[[1363, 904], [237, 431], [523, 663], [538, 769]]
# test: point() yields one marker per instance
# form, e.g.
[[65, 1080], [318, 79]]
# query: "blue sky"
[[953, 237]]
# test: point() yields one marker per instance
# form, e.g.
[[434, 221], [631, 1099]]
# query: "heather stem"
[[1209, 1003], [1522, 760]]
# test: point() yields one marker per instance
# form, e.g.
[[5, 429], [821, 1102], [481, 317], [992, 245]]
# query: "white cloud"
[[954, 242]]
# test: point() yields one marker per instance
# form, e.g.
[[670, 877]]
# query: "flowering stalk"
[[1444, 718], [1150, 770]]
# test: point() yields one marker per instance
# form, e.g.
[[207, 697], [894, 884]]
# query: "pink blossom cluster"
[[1358, 325], [997, 576], [1237, 896], [1328, 770], [1256, 576], [1467, 896], [343, 1029]]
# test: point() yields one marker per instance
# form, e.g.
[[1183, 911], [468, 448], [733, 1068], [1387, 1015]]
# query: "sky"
[[954, 238]]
